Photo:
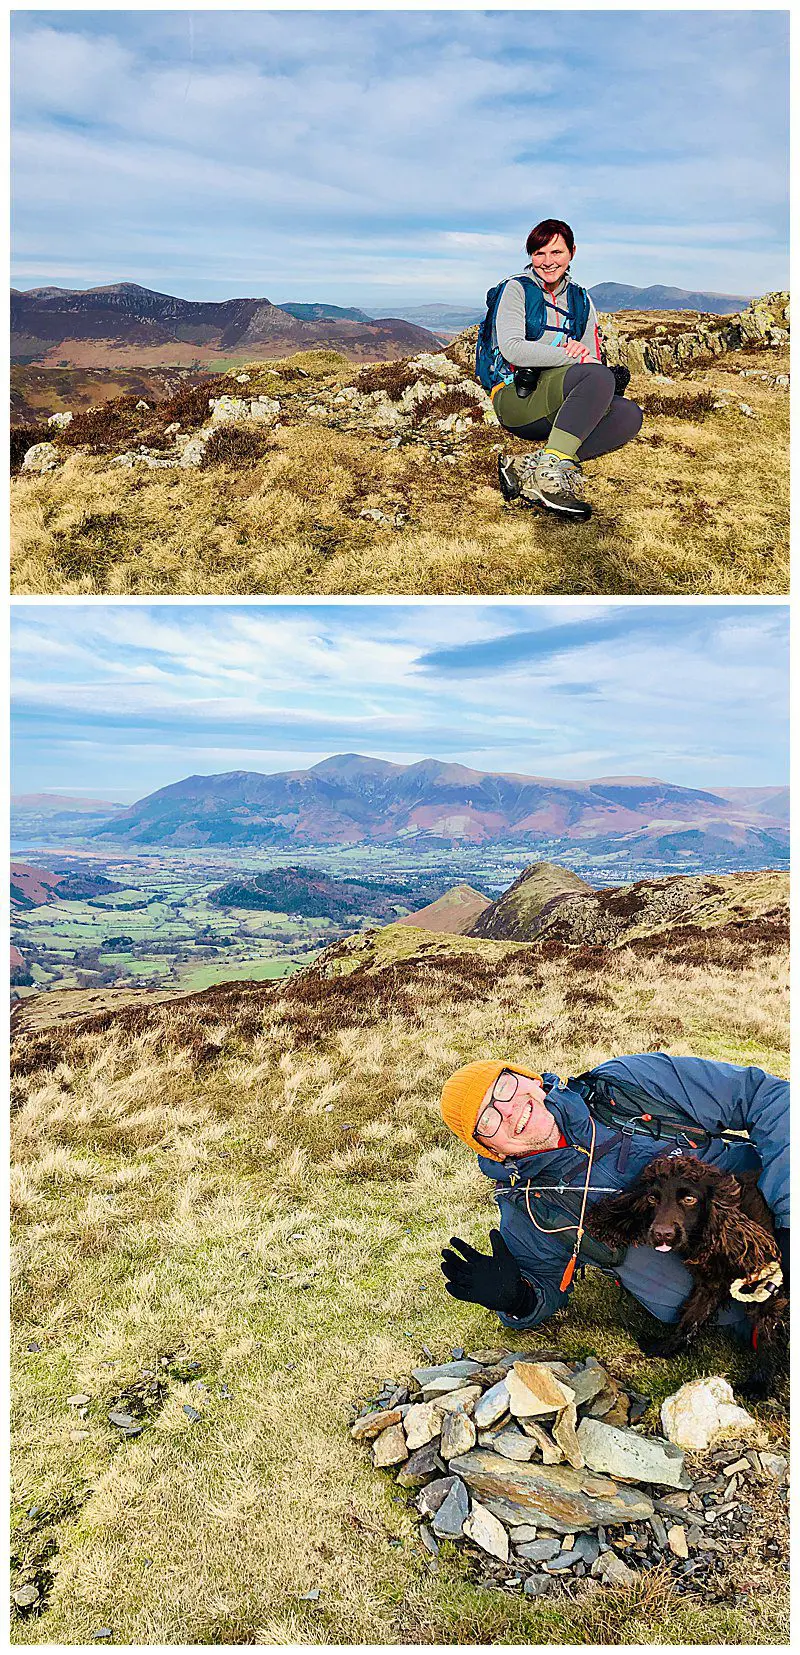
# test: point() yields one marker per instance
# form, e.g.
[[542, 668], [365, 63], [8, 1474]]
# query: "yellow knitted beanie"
[[463, 1094]]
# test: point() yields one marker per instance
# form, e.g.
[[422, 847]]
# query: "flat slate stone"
[[371, 1425], [390, 1448], [449, 1520], [555, 1496], [458, 1435], [623, 1453], [446, 1370], [533, 1390], [539, 1551], [513, 1445], [465, 1398], [421, 1424], [434, 1495]]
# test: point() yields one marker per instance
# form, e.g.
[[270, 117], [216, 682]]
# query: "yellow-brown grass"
[[259, 1181], [693, 506]]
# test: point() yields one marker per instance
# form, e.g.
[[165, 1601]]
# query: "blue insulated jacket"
[[717, 1096]]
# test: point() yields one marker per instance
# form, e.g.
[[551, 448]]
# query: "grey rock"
[[775, 1465], [613, 1571], [310, 1597], [536, 1586], [421, 1465], [659, 1531], [446, 1370], [624, 1453], [452, 1514], [434, 1495], [429, 1540], [123, 1420], [60, 421], [421, 1424], [587, 1383], [25, 1596], [42, 456], [513, 1445], [79, 1400], [523, 1534], [549, 1450], [492, 1405], [539, 1551], [192, 1413], [33, 1345]]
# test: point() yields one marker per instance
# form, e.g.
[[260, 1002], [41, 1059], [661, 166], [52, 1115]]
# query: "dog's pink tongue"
[[664, 1247]]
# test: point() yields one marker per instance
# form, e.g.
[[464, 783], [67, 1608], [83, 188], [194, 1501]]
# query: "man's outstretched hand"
[[496, 1281]]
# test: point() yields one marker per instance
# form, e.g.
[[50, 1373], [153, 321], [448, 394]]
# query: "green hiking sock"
[[568, 445]]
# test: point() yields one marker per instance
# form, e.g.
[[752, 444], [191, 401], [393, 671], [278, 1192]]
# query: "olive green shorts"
[[543, 403]]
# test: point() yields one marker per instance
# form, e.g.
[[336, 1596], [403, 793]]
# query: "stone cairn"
[[539, 1464]]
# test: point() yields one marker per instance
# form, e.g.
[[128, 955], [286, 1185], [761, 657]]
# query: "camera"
[[525, 381]]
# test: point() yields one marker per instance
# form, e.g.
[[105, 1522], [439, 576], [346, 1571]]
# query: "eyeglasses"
[[490, 1119]]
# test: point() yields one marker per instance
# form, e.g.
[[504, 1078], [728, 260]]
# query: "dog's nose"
[[663, 1235]]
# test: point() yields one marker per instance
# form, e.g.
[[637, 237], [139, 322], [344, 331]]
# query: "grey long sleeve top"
[[537, 353]]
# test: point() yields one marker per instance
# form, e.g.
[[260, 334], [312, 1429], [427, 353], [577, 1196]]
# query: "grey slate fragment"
[[539, 1551], [452, 1514]]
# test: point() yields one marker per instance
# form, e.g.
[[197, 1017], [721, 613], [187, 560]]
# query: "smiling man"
[[554, 1147]]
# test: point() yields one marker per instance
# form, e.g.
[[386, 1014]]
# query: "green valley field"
[[228, 1211]]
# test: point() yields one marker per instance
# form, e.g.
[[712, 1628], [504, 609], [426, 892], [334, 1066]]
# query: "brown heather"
[[257, 1181]]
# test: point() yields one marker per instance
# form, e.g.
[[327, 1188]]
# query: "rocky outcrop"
[[636, 340], [664, 347], [514, 916]]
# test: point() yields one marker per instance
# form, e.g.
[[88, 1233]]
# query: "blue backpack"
[[491, 366]]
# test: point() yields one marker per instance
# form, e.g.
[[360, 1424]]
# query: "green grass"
[[259, 1181]]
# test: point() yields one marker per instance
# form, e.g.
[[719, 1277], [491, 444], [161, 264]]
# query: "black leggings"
[[590, 411]]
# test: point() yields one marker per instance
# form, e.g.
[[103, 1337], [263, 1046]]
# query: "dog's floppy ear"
[[621, 1220]]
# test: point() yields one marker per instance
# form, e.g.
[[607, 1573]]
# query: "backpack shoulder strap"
[[579, 307], [627, 1106], [534, 307]]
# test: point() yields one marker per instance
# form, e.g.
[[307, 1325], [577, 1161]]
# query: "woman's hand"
[[578, 352]]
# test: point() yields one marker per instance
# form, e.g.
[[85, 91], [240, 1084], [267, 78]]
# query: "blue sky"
[[115, 700], [386, 157]]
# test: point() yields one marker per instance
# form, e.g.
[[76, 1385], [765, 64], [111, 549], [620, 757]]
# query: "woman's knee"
[[634, 416]]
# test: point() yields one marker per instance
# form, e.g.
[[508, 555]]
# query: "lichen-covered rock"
[[60, 421], [390, 1448], [43, 456]]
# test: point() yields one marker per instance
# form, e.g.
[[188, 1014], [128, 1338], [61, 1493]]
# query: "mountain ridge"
[[351, 799]]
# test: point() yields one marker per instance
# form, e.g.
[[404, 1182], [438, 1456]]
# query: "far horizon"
[[693, 695], [140, 143]]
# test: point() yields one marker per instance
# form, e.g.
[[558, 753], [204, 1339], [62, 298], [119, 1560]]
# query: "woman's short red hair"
[[544, 232]]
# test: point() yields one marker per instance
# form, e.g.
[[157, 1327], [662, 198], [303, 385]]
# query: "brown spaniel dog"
[[722, 1229]]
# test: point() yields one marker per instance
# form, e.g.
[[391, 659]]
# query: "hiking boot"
[[507, 478], [547, 480]]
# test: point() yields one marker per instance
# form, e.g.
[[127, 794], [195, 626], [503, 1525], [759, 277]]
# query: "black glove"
[[497, 1282], [622, 379]]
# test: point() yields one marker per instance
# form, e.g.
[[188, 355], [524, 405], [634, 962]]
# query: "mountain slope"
[[454, 914], [129, 325], [613, 296]]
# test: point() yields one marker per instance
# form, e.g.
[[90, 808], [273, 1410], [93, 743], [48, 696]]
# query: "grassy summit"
[[338, 499], [233, 1203]]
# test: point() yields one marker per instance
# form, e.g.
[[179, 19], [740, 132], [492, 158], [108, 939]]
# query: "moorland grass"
[[257, 1181], [697, 504]]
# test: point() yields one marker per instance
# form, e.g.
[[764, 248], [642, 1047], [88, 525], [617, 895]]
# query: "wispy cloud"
[[369, 155], [125, 698]]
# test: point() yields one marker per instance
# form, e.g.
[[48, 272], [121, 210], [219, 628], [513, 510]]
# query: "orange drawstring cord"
[[559, 1229]]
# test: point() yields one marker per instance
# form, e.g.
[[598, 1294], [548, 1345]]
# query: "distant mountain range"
[[128, 325], [447, 320], [350, 799]]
